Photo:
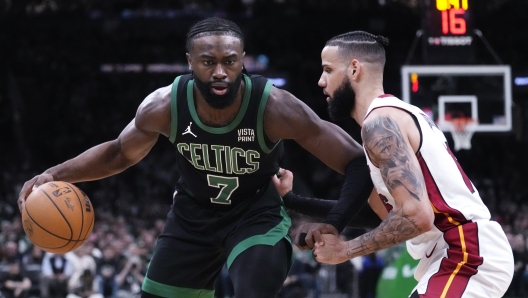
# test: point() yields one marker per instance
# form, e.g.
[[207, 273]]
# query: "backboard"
[[482, 92]]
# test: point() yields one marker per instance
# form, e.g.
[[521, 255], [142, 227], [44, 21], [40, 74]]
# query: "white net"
[[462, 132]]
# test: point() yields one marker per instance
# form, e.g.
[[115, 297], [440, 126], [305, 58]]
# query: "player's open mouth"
[[328, 96], [219, 89]]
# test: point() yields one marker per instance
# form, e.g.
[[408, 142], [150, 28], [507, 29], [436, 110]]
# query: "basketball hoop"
[[462, 130]]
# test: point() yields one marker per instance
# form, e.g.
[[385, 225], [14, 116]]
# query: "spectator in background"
[[368, 278], [520, 258], [107, 268], [524, 281], [15, 284], [10, 253], [83, 275], [5, 232], [147, 242], [345, 275], [85, 286], [302, 278], [131, 277], [56, 271], [32, 266]]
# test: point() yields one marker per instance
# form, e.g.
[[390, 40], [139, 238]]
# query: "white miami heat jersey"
[[453, 197]]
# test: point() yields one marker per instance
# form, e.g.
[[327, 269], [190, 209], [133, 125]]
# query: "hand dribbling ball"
[[58, 217]]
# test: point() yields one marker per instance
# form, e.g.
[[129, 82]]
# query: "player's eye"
[[208, 62], [229, 62]]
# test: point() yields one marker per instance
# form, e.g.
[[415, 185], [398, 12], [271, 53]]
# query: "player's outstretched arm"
[[286, 117], [112, 157], [320, 208], [389, 149]]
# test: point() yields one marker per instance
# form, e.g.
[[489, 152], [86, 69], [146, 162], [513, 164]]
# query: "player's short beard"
[[341, 104], [219, 101]]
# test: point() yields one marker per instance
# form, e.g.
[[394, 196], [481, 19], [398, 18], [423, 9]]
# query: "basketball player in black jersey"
[[227, 128]]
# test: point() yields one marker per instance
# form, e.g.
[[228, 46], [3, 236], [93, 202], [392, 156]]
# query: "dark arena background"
[[73, 72]]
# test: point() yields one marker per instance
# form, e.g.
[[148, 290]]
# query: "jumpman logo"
[[188, 130]]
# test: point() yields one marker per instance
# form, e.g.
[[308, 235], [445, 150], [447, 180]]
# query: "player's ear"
[[354, 70], [189, 60]]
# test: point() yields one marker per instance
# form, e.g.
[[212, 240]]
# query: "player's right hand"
[[28, 187]]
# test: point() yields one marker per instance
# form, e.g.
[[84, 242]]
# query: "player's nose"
[[321, 82], [219, 72]]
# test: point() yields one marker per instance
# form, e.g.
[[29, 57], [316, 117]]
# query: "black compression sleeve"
[[354, 193], [308, 206], [319, 208]]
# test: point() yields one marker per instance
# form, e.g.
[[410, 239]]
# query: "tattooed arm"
[[387, 135]]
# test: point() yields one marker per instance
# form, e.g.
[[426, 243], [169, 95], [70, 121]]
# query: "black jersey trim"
[[260, 120], [174, 110], [230, 126]]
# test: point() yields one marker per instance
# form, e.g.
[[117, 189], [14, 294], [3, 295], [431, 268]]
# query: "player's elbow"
[[116, 158], [425, 219]]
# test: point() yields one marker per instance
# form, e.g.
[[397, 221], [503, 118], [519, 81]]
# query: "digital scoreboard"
[[448, 31]]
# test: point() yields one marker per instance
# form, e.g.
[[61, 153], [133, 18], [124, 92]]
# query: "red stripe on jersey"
[[462, 262], [385, 95], [446, 217], [464, 176]]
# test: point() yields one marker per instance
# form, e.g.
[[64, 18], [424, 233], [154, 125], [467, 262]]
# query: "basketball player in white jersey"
[[426, 198]]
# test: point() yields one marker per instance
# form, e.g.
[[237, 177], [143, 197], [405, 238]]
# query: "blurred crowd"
[[111, 263]]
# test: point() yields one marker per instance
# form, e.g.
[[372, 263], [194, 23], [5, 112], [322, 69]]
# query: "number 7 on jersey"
[[227, 186]]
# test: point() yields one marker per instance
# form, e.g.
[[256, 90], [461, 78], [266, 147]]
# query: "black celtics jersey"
[[221, 166]]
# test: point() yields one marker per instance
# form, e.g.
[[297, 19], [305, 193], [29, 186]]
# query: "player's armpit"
[[377, 205]]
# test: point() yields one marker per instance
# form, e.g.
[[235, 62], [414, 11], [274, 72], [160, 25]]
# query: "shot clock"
[[448, 31]]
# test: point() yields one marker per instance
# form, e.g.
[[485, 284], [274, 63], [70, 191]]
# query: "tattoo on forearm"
[[396, 228], [386, 146]]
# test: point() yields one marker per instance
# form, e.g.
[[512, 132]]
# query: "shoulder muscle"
[[153, 114], [285, 114]]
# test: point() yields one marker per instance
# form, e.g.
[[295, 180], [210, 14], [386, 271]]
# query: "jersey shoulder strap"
[[177, 88], [262, 88]]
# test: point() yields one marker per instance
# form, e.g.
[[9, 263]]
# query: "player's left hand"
[[309, 233], [283, 181], [331, 250]]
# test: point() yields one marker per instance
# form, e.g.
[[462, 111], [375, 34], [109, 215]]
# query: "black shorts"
[[197, 241]]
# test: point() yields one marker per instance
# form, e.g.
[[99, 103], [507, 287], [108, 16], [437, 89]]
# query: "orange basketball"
[[58, 217]]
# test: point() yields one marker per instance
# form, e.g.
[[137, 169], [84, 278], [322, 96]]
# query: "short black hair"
[[362, 45], [213, 26]]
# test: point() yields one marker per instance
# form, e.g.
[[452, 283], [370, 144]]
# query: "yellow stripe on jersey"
[[449, 218], [460, 264]]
